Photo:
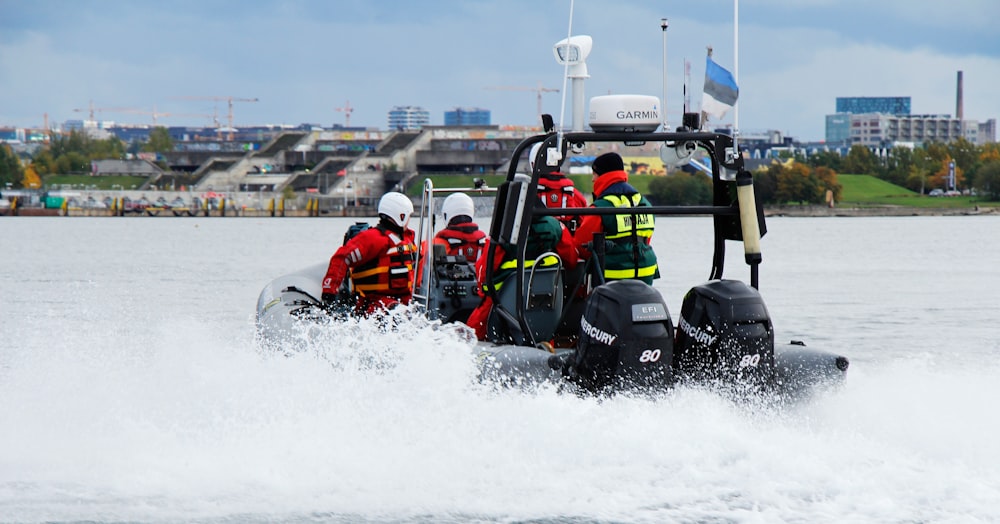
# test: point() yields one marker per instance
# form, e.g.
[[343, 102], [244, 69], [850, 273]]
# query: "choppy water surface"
[[131, 389]]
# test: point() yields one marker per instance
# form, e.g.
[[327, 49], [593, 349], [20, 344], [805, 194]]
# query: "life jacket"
[[464, 239], [628, 253], [556, 190], [391, 273], [543, 236]]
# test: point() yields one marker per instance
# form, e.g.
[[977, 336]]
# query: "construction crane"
[[347, 110], [154, 113], [229, 100], [91, 110], [539, 90]]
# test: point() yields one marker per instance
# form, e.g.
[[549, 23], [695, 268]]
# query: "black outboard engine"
[[626, 339], [725, 333]]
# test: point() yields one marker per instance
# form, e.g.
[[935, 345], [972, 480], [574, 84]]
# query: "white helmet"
[[457, 204], [397, 207], [532, 155]]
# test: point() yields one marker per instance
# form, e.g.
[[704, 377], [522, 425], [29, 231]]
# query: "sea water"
[[132, 389]]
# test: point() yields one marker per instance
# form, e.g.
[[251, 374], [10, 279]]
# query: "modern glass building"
[[888, 105], [467, 116], [404, 118], [838, 129]]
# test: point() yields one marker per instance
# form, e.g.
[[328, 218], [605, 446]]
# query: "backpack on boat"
[[353, 231], [345, 295]]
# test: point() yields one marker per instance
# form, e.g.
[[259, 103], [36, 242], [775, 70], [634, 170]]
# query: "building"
[[890, 105], [408, 118], [987, 132], [879, 129], [838, 128], [467, 116], [884, 121]]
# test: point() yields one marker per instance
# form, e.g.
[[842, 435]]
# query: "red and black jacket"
[[380, 263], [465, 239]]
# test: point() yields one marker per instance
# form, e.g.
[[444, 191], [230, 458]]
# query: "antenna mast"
[[736, 72], [663, 102], [562, 110], [687, 80]]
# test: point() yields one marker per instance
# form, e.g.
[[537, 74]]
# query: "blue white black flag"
[[720, 92]]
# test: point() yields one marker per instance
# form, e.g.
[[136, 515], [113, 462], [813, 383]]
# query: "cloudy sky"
[[304, 59]]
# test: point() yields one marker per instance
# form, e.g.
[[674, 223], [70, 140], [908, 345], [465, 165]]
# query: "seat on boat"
[[543, 304]]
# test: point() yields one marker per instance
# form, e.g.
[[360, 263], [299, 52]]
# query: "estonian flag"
[[720, 91]]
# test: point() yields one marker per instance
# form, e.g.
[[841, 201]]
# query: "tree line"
[[922, 168], [73, 152], [807, 180]]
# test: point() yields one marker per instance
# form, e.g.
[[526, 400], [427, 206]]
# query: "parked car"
[[936, 192], [135, 206], [93, 203]]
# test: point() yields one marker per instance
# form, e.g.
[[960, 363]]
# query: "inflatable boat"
[[550, 324]]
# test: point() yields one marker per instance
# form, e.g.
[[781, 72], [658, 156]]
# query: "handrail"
[[425, 237]]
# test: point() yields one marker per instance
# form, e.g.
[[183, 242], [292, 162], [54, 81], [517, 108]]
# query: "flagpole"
[[736, 71]]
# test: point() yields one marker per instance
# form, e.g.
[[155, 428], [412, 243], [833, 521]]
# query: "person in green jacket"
[[628, 254], [546, 234]]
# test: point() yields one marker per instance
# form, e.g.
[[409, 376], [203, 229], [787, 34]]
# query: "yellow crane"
[[229, 100], [539, 90]]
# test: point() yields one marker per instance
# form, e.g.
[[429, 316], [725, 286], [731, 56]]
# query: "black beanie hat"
[[608, 162]]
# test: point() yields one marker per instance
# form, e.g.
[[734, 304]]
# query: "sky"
[[306, 61]]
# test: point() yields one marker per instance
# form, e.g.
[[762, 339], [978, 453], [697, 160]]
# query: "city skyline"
[[306, 61]]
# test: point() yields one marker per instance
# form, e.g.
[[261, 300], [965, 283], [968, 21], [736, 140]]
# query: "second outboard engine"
[[626, 339], [725, 333]]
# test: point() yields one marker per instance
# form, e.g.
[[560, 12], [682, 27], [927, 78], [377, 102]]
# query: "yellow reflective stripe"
[[623, 223], [644, 221], [621, 274], [512, 264], [367, 273], [546, 262], [645, 233], [371, 287], [614, 199]]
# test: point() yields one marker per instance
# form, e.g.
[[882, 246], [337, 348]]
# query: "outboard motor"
[[725, 333], [626, 339]]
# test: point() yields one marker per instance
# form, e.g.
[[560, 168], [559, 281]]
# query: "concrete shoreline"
[[876, 211]]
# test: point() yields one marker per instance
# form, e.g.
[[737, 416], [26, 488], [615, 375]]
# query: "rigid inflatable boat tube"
[[748, 217], [800, 369]]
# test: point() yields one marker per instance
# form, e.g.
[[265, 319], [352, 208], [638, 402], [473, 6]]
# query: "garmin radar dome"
[[628, 113]]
